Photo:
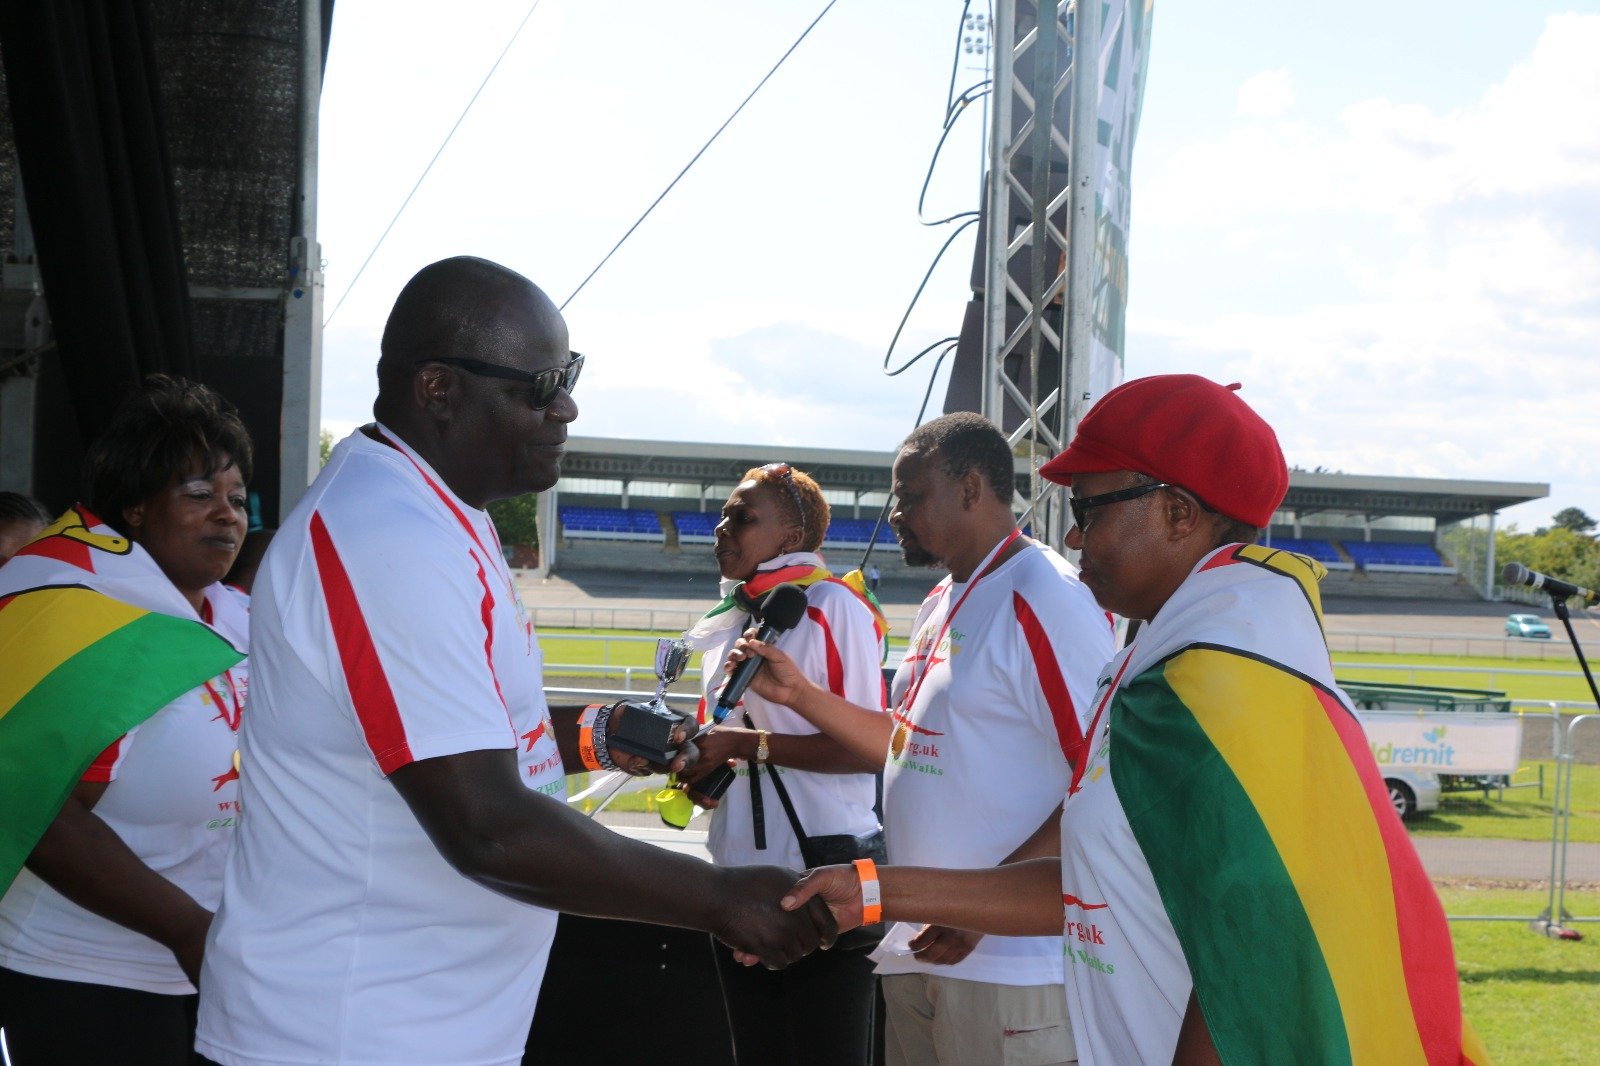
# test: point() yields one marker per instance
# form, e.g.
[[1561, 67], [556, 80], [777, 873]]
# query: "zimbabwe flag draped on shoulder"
[[93, 640], [1308, 924]]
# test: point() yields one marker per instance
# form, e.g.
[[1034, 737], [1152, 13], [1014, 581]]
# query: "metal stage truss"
[[1039, 237]]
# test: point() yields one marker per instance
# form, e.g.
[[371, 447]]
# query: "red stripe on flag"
[[63, 549], [363, 670], [1222, 558], [835, 664], [1426, 954], [1056, 694]]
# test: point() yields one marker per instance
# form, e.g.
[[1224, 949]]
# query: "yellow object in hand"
[[674, 805]]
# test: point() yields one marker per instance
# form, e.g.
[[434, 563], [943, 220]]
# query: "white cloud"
[[1453, 324], [1535, 132], [1267, 95]]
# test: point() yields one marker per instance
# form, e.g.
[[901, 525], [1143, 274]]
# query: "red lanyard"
[[1083, 763], [990, 561], [498, 555], [206, 615], [233, 697]]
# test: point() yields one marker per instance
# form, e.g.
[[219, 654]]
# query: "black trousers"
[[819, 1010], [71, 1023]]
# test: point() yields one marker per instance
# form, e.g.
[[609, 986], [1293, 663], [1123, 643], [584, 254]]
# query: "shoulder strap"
[[783, 798]]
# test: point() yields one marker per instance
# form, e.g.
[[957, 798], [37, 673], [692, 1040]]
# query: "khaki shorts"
[[951, 1022]]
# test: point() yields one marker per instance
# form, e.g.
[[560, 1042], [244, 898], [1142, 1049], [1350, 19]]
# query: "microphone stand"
[[1558, 604], [1555, 913]]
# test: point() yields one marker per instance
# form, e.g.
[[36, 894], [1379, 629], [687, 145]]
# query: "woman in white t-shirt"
[[102, 933], [819, 1009]]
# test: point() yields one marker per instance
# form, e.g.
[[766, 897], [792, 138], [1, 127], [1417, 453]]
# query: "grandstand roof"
[[680, 461], [1445, 499]]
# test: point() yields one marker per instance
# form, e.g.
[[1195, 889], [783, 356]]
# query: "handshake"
[[774, 919]]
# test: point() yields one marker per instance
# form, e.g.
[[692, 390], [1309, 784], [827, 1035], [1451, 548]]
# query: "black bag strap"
[[758, 813], [783, 798]]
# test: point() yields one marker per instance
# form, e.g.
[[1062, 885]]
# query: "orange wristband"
[[586, 754], [871, 892]]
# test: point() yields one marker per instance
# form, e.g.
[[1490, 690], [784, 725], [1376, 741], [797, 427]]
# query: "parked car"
[[1526, 625], [1412, 792]]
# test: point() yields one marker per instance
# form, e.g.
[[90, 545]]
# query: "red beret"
[[1188, 431]]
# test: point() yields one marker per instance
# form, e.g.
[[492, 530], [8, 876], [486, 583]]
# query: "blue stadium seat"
[[1321, 550], [610, 523], [695, 527], [1378, 553]]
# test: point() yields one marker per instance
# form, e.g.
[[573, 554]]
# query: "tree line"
[[1566, 549]]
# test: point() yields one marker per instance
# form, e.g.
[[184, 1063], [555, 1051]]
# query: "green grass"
[[1531, 999], [1475, 671], [1522, 814], [561, 648]]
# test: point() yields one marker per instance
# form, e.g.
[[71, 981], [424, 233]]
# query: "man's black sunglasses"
[[545, 383], [1081, 506]]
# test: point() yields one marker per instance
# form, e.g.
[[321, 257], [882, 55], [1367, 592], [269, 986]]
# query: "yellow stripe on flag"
[[56, 625], [1305, 572], [1293, 766]]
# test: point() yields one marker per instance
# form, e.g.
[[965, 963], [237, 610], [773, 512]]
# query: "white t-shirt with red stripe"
[[172, 796], [979, 759], [834, 645], [390, 631]]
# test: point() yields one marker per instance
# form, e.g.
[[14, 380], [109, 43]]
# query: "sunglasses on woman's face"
[[1082, 505], [544, 383]]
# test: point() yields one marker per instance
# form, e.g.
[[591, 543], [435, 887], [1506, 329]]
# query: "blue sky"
[[1383, 218]]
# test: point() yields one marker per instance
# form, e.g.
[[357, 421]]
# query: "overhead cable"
[[781, 59], [423, 176], [954, 106]]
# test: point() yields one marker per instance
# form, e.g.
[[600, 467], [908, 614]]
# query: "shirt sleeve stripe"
[[364, 676], [486, 612], [1056, 694], [835, 663], [105, 765]]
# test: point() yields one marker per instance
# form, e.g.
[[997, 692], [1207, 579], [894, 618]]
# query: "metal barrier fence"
[[655, 620], [1537, 873], [661, 621], [1556, 917], [1499, 647], [628, 664]]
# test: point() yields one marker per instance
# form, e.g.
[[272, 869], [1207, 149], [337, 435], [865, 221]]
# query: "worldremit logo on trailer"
[[1433, 753]]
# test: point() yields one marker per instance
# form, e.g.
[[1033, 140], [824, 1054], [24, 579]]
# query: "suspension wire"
[[425, 170], [918, 295], [781, 60], [950, 344], [955, 57], [954, 107], [976, 92]]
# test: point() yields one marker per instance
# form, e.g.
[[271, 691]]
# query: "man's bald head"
[[466, 308]]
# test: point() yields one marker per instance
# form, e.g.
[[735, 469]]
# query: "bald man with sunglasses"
[[392, 896]]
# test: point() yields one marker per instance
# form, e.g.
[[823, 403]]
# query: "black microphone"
[[1517, 574], [780, 612]]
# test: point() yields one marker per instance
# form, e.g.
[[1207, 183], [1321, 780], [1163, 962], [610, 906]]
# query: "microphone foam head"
[[1513, 574], [783, 607]]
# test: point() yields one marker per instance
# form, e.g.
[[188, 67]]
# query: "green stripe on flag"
[[1263, 986], [52, 734]]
